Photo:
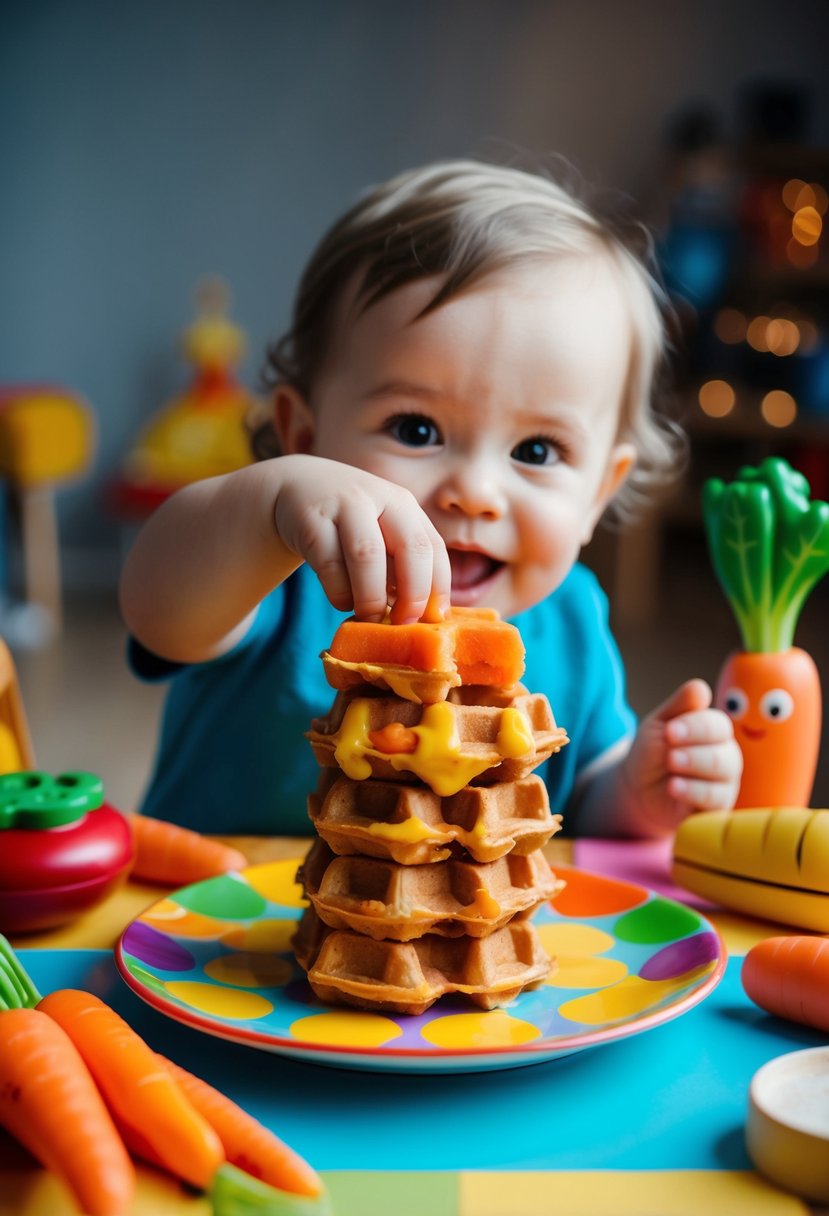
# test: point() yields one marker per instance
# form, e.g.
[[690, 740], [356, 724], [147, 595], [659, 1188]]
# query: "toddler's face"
[[498, 411]]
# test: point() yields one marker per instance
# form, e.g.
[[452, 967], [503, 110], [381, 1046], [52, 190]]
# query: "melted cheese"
[[438, 759], [410, 831]]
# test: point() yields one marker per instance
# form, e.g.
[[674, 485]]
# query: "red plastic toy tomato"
[[62, 848]]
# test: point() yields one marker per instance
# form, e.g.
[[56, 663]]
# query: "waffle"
[[423, 661], [414, 826], [386, 900], [477, 734], [408, 977]]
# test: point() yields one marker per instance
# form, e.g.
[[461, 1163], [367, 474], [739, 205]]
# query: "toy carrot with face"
[[769, 545]]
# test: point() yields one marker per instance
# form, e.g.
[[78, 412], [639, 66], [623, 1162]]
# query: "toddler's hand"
[[368, 540], [684, 757]]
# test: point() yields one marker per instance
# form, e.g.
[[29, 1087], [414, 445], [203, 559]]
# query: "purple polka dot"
[[156, 950], [680, 957]]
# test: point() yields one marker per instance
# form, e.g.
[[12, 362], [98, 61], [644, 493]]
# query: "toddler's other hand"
[[368, 540], [685, 757]]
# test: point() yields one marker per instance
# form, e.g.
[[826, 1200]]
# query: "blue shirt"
[[233, 759]]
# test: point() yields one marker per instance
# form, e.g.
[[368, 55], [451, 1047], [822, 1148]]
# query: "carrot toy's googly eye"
[[777, 705], [735, 702]]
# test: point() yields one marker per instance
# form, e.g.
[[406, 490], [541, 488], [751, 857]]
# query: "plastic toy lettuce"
[[769, 544]]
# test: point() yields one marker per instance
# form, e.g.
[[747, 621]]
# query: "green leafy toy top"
[[769, 544]]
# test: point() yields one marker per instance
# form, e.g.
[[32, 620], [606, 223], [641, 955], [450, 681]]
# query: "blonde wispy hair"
[[462, 220]]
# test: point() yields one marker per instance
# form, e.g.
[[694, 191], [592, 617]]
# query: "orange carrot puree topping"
[[393, 738]]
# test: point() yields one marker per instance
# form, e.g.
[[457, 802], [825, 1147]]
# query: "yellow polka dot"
[[493, 1029], [346, 1029], [250, 970], [276, 881], [220, 1002], [262, 937], [574, 939], [631, 996], [170, 918], [165, 909], [586, 972]]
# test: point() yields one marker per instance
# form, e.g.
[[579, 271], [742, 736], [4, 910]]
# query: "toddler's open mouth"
[[472, 574]]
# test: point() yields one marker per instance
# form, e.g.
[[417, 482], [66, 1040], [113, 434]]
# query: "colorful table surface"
[[650, 1123]]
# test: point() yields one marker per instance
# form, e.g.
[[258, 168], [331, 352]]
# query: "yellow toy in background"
[[47, 438], [201, 433]]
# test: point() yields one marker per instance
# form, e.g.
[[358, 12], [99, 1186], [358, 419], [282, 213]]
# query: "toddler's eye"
[[535, 451], [414, 430]]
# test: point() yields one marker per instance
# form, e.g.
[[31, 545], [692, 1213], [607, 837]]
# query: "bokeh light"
[[778, 408], [801, 256], [730, 325], [809, 335], [716, 398], [807, 225], [791, 193], [756, 333], [782, 336]]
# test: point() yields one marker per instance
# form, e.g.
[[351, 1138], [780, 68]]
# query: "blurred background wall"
[[148, 144]]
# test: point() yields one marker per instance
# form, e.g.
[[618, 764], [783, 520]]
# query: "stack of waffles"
[[431, 823]]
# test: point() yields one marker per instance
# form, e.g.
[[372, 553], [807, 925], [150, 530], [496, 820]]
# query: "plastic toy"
[[47, 438], [769, 544], [15, 742], [770, 862], [787, 1134], [200, 433], [789, 977], [62, 848], [161, 1113]]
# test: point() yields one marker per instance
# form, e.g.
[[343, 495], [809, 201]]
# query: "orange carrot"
[[774, 700], [247, 1144], [49, 1102], [154, 1117], [393, 737], [789, 977], [174, 856]]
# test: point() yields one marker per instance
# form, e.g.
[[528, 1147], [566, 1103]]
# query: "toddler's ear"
[[293, 420], [621, 460]]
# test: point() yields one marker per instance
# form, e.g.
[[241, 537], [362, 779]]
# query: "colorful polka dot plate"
[[216, 956]]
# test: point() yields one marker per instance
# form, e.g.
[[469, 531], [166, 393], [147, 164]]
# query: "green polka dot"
[[659, 920], [147, 979], [224, 897]]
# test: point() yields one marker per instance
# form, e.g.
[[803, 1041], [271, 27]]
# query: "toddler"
[[464, 390]]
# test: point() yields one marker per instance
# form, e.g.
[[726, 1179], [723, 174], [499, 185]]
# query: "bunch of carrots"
[[81, 1091]]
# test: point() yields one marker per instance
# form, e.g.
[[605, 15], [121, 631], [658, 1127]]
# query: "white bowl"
[[787, 1133]]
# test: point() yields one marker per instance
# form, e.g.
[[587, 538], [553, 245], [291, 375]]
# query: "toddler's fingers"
[[421, 563], [704, 726], [703, 795], [722, 762], [366, 560], [324, 555]]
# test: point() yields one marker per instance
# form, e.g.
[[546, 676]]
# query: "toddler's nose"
[[472, 491]]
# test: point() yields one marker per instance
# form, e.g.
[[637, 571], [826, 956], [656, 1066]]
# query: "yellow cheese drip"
[[484, 905], [438, 759], [410, 831], [514, 735]]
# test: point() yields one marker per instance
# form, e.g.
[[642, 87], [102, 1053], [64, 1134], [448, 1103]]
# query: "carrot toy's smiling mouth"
[[751, 732]]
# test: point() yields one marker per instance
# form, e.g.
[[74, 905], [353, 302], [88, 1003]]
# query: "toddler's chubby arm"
[[684, 758], [214, 550]]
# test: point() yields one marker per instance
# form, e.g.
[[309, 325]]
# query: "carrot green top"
[[769, 544]]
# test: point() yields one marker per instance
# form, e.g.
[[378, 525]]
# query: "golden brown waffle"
[[421, 662], [477, 735], [408, 977], [386, 900], [412, 825]]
